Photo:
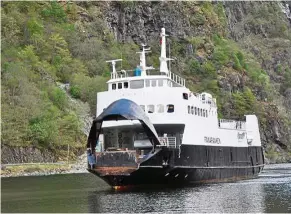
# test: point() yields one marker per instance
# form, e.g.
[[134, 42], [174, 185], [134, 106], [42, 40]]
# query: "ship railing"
[[120, 74], [177, 79], [168, 142], [231, 124]]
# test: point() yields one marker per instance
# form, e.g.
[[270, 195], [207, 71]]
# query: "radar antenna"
[[113, 63]]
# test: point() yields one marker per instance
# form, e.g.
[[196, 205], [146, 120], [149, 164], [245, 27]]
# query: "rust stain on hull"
[[115, 170]]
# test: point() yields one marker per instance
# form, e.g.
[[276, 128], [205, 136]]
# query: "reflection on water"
[[271, 192]]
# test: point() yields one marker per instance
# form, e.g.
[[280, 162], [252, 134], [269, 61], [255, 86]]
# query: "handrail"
[[231, 124], [169, 142], [176, 78]]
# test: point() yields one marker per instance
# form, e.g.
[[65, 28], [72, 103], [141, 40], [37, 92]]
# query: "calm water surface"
[[271, 192]]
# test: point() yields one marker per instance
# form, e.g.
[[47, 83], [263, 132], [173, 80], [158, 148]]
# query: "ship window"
[[189, 111], [134, 84], [206, 113], [185, 96], [125, 85], [198, 109], [200, 112], [143, 107], [203, 112], [147, 83], [192, 110], [154, 83], [160, 83], [113, 86], [195, 110], [151, 108], [170, 108], [120, 85], [160, 108]]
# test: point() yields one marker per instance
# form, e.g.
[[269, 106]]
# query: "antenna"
[[113, 62]]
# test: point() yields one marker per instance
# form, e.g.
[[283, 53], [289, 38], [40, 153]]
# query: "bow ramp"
[[115, 149], [122, 109]]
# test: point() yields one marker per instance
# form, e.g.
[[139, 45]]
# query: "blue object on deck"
[[137, 72]]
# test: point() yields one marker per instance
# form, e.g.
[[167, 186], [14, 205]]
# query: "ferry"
[[152, 130]]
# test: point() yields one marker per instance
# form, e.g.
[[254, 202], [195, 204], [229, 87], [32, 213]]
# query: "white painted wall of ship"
[[199, 130]]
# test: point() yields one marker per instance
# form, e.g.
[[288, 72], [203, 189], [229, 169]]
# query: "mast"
[[142, 59], [163, 57]]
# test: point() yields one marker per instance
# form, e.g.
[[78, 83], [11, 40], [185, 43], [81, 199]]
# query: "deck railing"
[[168, 141], [129, 73], [231, 124], [177, 79]]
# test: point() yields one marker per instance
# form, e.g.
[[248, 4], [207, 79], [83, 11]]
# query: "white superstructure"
[[179, 115]]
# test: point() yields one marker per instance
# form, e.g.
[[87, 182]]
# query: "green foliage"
[[88, 88], [75, 92], [209, 69], [194, 66], [59, 98], [279, 69], [243, 103], [42, 130], [219, 9], [34, 27], [220, 57], [35, 55], [287, 81], [55, 12], [197, 42], [198, 19], [236, 61], [70, 127]]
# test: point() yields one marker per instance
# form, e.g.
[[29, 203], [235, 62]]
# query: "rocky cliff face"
[[261, 28]]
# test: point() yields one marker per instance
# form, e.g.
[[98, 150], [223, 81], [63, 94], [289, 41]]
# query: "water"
[[271, 192]]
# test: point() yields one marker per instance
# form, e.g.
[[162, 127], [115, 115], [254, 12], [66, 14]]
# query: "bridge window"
[[189, 111], [143, 107], [125, 85], [151, 108], [200, 112], [192, 109], [160, 108], [147, 83], [198, 109], [135, 84], [120, 85], [154, 83], [206, 113], [170, 108], [185, 96], [203, 113], [195, 110], [113, 86], [160, 83]]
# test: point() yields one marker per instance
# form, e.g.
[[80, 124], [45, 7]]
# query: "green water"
[[271, 192]]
